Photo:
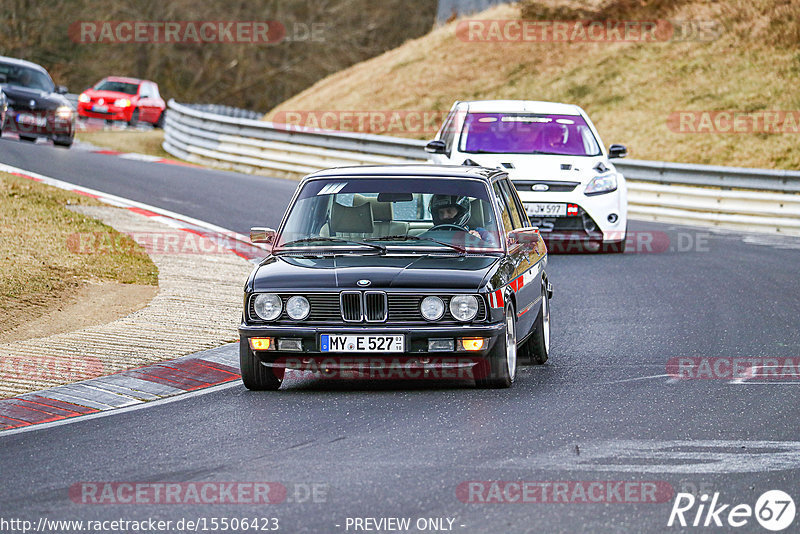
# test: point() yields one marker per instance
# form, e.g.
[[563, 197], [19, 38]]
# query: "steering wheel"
[[448, 227]]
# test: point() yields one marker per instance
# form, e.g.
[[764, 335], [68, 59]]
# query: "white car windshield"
[[527, 133], [392, 213]]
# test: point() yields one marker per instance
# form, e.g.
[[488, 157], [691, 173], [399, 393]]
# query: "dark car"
[[123, 99], [398, 271], [36, 106]]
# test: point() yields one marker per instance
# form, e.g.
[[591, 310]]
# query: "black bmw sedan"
[[36, 106], [410, 271]]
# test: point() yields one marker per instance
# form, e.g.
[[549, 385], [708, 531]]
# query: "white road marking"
[[669, 456]]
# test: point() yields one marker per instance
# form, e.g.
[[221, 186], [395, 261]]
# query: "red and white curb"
[[144, 157], [234, 242], [125, 389], [131, 387]]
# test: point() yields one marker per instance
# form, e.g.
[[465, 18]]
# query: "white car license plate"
[[546, 209], [369, 343], [101, 109], [31, 120]]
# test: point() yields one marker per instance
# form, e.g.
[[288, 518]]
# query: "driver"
[[455, 210], [555, 136]]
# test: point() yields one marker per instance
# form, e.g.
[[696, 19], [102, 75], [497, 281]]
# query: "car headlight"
[[267, 306], [83, 97], [122, 102], [432, 308], [605, 183], [464, 307], [64, 112], [298, 308]]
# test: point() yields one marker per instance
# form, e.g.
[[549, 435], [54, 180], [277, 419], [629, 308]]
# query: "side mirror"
[[61, 89], [262, 235], [617, 151], [436, 146], [527, 237]]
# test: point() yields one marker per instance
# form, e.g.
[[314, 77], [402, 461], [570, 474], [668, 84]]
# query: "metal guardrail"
[[730, 197]]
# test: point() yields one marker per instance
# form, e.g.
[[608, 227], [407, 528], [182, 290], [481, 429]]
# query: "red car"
[[123, 99]]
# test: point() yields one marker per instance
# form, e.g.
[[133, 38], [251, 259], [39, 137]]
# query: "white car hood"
[[544, 167]]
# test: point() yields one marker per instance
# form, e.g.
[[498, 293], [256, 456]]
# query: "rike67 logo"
[[774, 510]]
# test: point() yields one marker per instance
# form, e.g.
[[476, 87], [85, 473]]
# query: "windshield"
[[525, 133], [25, 77], [119, 87], [406, 214]]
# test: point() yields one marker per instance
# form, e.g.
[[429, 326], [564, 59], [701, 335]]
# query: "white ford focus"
[[555, 157]]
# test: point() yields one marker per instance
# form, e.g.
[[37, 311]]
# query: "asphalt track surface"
[[603, 408]]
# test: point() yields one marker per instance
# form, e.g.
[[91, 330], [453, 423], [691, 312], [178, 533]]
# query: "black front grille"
[[375, 306], [351, 306], [378, 307], [552, 186]]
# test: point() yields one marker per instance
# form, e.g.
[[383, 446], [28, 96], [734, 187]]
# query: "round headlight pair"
[[462, 308], [268, 307]]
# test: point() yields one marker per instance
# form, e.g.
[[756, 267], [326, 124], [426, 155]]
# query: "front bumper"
[[592, 224], [39, 124], [113, 113], [416, 340]]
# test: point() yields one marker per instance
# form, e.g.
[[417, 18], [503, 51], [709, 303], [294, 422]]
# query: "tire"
[[27, 138], [160, 122], [134, 118], [536, 349], [499, 368], [66, 142], [257, 377]]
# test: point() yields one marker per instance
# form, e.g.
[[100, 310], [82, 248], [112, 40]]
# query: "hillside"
[[737, 55]]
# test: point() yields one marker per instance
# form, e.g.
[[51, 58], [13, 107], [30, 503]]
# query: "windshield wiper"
[[404, 237], [380, 248]]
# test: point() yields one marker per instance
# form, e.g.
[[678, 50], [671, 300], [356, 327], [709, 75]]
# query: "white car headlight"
[[267, 306], [64, 112], [432, 308], [298, 307], [83, 98], [605, 183], [464, 307], [122, 102]]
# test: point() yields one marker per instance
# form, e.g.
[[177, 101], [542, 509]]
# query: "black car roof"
[[23, 63], [411, 170]]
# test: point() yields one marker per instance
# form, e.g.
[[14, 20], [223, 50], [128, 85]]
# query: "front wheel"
[[65, 141], [500, 367], [536, 350], [257, 377], [28, 138], [134, 118]]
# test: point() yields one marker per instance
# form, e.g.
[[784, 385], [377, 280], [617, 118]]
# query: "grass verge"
[[38, 259], [147, 142]]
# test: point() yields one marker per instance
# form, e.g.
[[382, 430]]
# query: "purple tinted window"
[[525, 133]]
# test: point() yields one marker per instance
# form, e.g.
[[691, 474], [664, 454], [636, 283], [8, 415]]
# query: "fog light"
[[290, 344], [261, 343], [471, 343], [441, 345], [613, 218]]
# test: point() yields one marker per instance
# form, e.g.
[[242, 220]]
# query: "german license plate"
[[368, 343], [546, 209], [100, 109], [31, 120]]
